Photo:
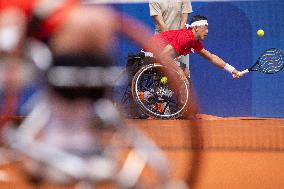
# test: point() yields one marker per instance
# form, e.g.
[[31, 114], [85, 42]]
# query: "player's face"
[[202, 32]]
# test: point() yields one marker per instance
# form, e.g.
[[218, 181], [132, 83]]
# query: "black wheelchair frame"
[[146, 95]]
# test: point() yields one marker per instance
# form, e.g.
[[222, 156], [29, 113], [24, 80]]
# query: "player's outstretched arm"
[[217, 61]]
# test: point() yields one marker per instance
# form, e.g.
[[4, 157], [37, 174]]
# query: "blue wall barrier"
[[232, 36]]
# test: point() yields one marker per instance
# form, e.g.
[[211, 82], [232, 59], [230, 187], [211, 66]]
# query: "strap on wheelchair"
[[136, 61]]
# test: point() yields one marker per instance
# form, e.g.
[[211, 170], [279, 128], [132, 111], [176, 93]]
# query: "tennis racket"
[[270, 61]]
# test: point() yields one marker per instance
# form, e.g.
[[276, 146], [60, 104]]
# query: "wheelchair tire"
[[155, 98]]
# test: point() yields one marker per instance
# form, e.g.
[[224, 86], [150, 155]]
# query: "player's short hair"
[[197, 18]]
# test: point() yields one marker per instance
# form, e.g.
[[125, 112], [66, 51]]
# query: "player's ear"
[[195, 28]]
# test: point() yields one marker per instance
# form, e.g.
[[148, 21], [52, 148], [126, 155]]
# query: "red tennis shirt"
[[182, 41]]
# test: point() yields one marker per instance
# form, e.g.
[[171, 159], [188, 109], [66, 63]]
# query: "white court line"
[[146, 1]]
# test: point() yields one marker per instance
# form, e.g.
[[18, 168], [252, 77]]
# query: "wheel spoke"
[[158, 100]]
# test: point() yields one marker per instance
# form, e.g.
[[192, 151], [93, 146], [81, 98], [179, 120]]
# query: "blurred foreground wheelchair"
[[73, 135]]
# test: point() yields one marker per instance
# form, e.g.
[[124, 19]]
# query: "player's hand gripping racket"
[[270, 61]]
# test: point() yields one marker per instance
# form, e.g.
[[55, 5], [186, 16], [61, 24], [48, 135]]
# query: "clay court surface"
[[210, 152]]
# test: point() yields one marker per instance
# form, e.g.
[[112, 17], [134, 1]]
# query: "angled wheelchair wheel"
[[152, 93], [122, 97]]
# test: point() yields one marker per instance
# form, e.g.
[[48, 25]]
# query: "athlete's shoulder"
[[189, 31]]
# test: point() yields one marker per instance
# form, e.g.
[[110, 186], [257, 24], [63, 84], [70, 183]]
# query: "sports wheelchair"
[[147, 91], [85, 146]]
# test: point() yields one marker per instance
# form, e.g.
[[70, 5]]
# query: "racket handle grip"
[[244, 72]]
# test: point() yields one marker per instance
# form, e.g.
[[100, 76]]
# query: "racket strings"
[[271, 61]]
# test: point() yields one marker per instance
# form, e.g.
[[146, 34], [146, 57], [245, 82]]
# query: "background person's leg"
[[185, 60]]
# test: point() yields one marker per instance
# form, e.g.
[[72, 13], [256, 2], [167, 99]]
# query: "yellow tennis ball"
[[260, 33], [164, 80]]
